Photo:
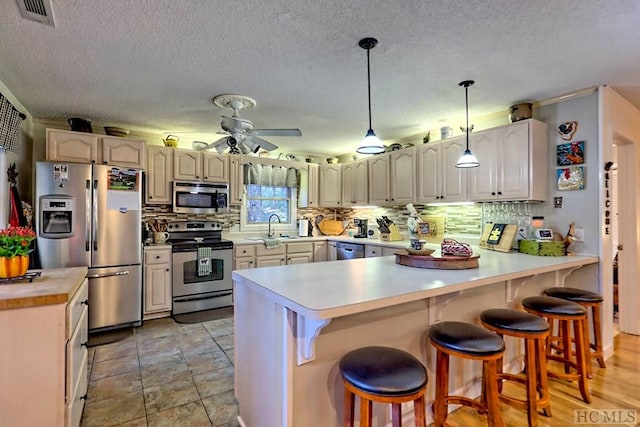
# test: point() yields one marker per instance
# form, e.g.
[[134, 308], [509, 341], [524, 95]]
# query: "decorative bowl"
[[115, 131], [422, 252]]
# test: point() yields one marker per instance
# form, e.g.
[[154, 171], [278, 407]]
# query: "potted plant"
[[15, 246]]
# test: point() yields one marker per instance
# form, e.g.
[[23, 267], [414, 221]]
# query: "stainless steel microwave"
[[200, 197]]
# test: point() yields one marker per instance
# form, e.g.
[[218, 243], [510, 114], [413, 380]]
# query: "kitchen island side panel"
[[260, 329]]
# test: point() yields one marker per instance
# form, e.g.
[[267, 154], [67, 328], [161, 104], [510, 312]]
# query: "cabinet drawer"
[[299, 247], [160, 256], [76, 400], [245, 250], [262, 250], [76, 352], [75, 307]]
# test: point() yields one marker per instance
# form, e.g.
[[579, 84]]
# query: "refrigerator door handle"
[[95, 215], [100, 276], [87, 218]]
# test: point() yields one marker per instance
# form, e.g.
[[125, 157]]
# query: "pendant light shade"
[[371, 143], [468, 160]]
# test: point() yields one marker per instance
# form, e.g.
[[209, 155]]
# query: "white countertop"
[[331, 289]]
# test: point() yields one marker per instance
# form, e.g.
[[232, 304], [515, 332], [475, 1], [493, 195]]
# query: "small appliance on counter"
[[361, 228]]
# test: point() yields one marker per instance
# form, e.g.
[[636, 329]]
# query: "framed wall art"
[[571, 178], [570, 154]]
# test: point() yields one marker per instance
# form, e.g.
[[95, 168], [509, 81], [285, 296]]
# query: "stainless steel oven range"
[[201, 262]]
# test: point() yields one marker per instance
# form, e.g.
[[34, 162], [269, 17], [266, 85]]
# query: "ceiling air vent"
[[37, 10]]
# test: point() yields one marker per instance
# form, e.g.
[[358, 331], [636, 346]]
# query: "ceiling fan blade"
[[277, 132], [265, 145]]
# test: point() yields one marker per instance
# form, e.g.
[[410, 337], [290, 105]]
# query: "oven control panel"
[[194, 226]]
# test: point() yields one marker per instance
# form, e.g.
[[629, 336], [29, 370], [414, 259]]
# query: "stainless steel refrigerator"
[[90, 215]]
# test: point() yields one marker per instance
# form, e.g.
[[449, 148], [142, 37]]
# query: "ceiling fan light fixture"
[[371, 143], [468, 160]]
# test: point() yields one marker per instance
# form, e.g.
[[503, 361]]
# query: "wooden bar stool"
[[385, 375], [565, 313], [534, 330], [589, 300], [467, 341]]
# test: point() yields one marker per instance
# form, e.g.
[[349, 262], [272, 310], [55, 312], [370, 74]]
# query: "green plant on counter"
[[16, 241]]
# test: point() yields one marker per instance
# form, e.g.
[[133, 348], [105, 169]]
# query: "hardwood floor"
[[616, 387]]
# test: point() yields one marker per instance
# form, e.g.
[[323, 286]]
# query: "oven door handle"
[[201, 297]]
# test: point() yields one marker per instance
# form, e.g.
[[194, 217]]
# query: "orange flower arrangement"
[[16, 241]]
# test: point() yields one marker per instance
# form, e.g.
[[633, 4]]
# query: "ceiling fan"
[[241, 137]]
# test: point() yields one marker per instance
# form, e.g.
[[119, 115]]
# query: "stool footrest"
[[462, 400]]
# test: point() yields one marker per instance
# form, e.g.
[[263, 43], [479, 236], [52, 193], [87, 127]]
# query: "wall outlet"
[[579, 234]]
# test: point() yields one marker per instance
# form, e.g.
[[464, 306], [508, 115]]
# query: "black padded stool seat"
[[588, 300], [383, 370], [552, 305], [385, 375], [512, 320], [573, 294], [468, 341], [534, 330], [466, 338], [567, 314]]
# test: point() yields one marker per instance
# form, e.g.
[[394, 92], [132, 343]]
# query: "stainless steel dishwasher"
[[349, 250]]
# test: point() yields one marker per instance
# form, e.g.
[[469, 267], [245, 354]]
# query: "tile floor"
[[164, 374]]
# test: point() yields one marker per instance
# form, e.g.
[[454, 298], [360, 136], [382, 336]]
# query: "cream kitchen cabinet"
[[244, 257], [44, 370], [299, 252], [513, 163], [392, 177], [193, 165], [329, 186], [355, 181], [308, 196], [157, 281], [439, 180], [269, 257], [236, 184], [371, 251], [124, 152], [80, 147], [159, 175], [320, 251]]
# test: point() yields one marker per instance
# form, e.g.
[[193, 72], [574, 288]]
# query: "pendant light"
[[467, 160], [371, 143]]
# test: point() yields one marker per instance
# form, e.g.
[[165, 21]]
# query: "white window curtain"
[[276, 176]]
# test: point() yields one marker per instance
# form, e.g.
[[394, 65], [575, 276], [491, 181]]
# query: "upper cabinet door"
[[403, 176], [159, 175], [187, 165], [124, 152], [379, 179], [429, 175], [453, 179], [513, 155], [312, 185], [348, 198], [330, 185], [361, 182], [483, 179], [215, 167], [68, 146]]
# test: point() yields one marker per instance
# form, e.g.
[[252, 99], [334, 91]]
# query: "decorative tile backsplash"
[[459, 219]]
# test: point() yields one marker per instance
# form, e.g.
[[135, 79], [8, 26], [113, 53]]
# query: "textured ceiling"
[[155, 65]]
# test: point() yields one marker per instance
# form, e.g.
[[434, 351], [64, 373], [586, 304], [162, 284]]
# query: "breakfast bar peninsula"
[[293, 324]]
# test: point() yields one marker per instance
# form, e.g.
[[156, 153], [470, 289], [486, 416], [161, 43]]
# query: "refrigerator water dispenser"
[[56, 214]]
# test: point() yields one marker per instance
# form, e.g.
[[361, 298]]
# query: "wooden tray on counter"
[[441, 263]]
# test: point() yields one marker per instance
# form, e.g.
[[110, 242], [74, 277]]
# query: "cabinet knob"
[[85, 302], [250, 262], [157, 256], [197, 176], [499, 193], [206, 177], [167, 269], [83, 397], [493, 193], [84, 344], [386, 200], [150, 197]]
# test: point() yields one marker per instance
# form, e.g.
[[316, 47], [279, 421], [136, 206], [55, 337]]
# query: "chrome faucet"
[[269, 233]]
